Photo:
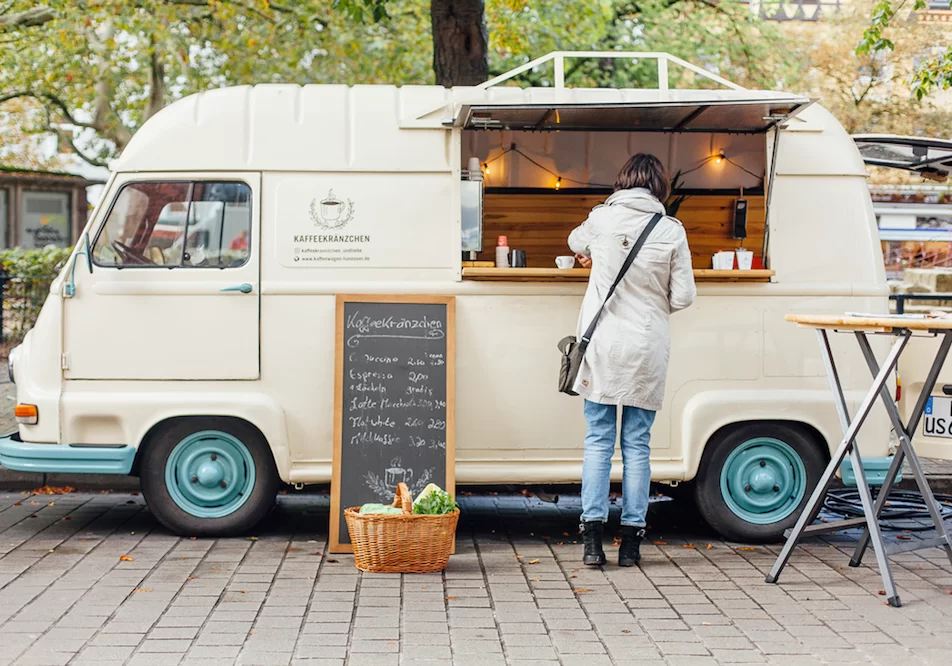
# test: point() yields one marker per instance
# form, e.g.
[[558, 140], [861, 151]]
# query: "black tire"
[[256, 503], [750, 441]]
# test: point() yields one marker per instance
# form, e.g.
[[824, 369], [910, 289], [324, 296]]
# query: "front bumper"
[[21, 456]]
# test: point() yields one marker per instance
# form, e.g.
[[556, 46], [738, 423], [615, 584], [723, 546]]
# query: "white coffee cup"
[[745, 259], [566, 261], [723, 261]]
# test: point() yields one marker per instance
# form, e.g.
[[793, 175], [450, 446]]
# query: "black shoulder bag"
[[572, 349]]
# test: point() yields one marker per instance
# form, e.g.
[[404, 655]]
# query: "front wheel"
[[755, 480], [209, 477]]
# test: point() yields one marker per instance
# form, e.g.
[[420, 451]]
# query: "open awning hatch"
[[736, 116], [930, 158]]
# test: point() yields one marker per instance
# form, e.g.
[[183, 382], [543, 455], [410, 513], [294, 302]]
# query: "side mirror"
[[70, 289]]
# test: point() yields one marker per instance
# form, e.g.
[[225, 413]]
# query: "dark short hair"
[[644, 170]]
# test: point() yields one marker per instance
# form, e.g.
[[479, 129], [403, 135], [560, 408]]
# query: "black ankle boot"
[[592, 531], [629, 553]]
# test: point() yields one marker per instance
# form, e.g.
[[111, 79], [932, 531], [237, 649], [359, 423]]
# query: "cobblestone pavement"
[[92, 579]]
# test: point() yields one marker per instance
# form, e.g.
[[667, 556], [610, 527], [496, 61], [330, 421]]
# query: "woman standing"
[[627, 359]]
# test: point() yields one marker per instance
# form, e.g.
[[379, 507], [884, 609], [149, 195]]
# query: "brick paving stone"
[[278, 600]]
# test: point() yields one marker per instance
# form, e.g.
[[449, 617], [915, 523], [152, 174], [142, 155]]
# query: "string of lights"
[[716, 157]]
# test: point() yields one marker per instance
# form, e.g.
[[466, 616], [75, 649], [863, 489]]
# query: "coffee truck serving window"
[[177, 225], [543, 167]]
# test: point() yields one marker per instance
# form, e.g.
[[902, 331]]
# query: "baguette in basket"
[[407, 542]]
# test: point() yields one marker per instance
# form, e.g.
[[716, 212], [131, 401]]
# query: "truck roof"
[[363, 128]]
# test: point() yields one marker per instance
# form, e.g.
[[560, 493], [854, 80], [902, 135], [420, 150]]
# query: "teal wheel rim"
[[210, 474], [763, 480]]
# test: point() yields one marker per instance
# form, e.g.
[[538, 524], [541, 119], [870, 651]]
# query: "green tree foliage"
[[95, 70], [935, 72]]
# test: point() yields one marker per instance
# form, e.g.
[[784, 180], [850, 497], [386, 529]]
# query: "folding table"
[[902, 329]]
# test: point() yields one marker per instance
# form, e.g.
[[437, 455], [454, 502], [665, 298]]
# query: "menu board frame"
[[337, 511]]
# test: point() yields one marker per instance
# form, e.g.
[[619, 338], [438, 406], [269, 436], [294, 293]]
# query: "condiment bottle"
[[502, 252]]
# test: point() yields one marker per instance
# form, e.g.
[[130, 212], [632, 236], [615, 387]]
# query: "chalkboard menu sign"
[[395, 379]]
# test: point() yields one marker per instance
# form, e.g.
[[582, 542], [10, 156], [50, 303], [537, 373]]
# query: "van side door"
[[175, 288]]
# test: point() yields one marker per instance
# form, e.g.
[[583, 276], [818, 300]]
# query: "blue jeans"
[[597, 464]]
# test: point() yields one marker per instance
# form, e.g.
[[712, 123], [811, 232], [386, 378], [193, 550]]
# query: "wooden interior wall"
[[540, 224]]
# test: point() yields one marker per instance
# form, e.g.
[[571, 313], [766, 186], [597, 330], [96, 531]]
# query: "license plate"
[[937, 421]]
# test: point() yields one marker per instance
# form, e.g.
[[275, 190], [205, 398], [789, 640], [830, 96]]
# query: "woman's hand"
[[586, 262]]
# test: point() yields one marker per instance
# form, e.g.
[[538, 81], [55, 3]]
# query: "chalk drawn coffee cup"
[[395, 475], [565, 262]]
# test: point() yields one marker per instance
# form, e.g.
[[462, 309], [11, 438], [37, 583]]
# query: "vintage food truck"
[[204, 363]]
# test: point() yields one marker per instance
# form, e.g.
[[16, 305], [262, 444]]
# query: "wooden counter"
[[581, 275]]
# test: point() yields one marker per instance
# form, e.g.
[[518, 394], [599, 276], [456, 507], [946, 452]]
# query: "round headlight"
[[10, 359]]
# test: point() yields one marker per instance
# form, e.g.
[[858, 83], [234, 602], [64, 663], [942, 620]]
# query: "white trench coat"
[[627, 360]]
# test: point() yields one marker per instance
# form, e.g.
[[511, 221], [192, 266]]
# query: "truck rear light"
[[26, 414]]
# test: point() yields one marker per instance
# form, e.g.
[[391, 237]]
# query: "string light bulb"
[[558, 182], [719, 157], [486, 168]]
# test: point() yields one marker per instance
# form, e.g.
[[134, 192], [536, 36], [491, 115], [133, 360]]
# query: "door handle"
[[243, 288]]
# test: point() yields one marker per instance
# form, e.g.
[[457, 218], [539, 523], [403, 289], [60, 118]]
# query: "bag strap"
[[587, 336]]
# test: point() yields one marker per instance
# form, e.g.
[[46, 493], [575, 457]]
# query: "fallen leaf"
[[18, 504], [533, 580], [706, 624], [882, 593], [903, 537], [252, 538], [565, 533], [125, 558], [192, 538], [143, 589], [51, 550], [747, 548], [536, 561], [661, 543], [66, 518], [291, 550], [450, 598], [626, 631], [331, 560], [243, 591], [688, 545], [53, 490], [51, 504], [708, 546], [192, 577], [518, 557], [582, 590]]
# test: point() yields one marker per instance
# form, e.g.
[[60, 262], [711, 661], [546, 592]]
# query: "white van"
[[203, 362]]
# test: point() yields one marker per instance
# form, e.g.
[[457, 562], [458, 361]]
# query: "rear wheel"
[[755, 480], [209, 477]]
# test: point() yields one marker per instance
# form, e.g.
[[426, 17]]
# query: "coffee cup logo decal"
[[331, 212]]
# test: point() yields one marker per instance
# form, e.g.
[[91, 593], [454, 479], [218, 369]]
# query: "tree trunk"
[[156, 84], [460, 42]]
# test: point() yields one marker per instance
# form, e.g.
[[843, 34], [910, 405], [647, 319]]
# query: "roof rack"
[[558, 59]]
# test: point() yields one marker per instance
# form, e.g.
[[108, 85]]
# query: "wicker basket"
[[407, 543]]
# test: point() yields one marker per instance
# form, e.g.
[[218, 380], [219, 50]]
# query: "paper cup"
[[745, 259], [723, 261]]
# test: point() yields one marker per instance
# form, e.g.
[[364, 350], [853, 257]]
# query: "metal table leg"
[[905, 433], [846, 447]]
